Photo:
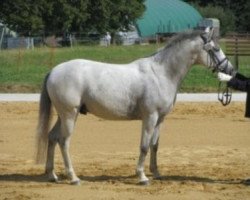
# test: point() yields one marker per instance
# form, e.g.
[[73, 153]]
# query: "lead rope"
[[224, 94]]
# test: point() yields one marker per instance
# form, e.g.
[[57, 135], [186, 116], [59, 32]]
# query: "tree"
[[240, 9], [22, 16], [60, 16], [243, 17], [113, 15], [127, 12], [226, 17]]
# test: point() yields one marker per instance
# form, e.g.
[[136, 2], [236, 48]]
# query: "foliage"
[[112, 15], [240, 9], [62, 16], [22, 15], [243, 21], [226, 17]]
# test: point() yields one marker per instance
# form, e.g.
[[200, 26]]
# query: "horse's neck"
[[177, 64]]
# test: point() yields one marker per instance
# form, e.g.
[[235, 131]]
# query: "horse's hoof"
[[76, 182], [52, 180], [51, 177], [144, 183]]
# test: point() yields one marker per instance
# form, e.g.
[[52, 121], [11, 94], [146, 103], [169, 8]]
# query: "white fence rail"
[[182, 97]]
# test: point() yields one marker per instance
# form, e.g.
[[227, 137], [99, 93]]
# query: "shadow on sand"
[[23, 178], [132, 179]]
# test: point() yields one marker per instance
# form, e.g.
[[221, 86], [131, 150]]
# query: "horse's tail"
[[43, 124]]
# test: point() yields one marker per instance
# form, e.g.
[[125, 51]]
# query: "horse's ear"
[[207, 34], [211, 34], [207, 30]]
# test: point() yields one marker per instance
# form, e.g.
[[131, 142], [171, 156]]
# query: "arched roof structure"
[[167, 16]]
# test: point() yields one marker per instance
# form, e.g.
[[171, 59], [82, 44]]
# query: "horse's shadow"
[[23, 178], [197, 179], [131, 179]]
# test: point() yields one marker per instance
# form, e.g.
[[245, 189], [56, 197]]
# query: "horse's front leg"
[[148, 126], [153, 152]]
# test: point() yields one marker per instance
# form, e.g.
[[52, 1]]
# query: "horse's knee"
[[154, 142], [144, 149], [64, 142]]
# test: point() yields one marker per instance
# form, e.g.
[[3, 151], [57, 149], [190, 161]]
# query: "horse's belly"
[[113, 111]]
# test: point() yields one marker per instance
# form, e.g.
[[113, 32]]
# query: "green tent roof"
[[167, 16]]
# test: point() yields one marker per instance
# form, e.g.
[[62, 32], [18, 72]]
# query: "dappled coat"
[[242, 83]]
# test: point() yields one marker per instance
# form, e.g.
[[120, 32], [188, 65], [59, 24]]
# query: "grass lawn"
[[23, 70]]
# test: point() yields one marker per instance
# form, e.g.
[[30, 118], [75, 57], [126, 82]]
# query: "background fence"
[[237, 46], [10, 40]]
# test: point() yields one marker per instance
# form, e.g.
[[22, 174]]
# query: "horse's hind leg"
[[53, 139], [67, 126]]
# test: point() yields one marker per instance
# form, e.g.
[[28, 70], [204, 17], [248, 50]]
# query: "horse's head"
[[212, 56]]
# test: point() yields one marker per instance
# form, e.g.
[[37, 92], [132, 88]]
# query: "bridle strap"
[[222, 61], [224, 94], [218, 62], [211, 52]]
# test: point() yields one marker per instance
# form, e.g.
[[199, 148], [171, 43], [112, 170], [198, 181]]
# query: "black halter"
[[215, 60], [224, 92]]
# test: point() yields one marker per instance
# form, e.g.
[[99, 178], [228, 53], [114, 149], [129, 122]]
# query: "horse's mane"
[[175, 41], [182, 37]]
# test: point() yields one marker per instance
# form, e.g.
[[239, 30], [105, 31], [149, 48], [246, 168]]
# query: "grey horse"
[[144, 89]]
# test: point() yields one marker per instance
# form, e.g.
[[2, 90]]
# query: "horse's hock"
[[238, 45]]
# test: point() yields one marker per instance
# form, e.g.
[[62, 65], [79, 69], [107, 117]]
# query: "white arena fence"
[[181, 97]]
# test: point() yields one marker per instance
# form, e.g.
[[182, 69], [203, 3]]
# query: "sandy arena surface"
[[204, 153]]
